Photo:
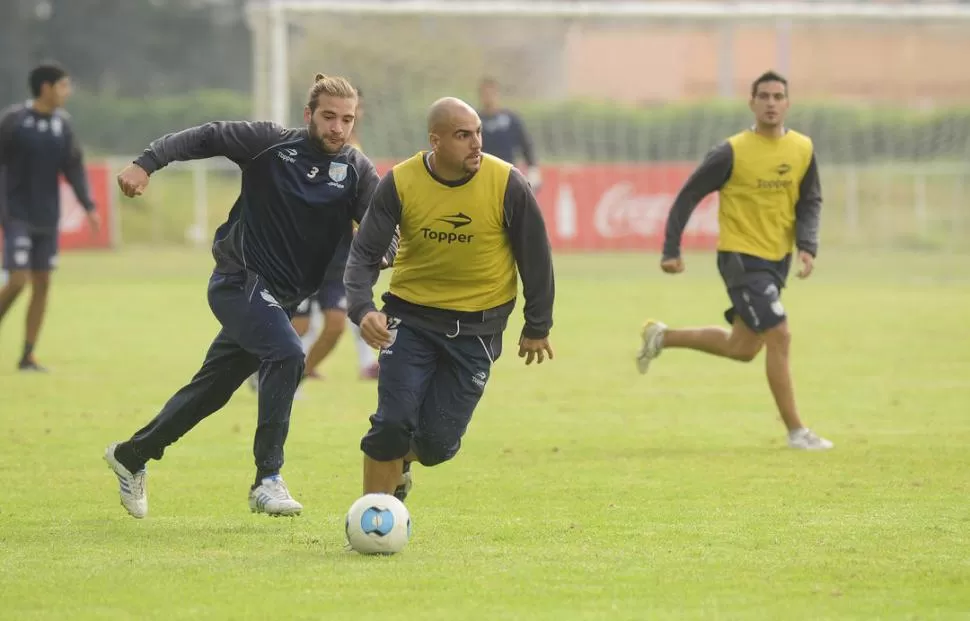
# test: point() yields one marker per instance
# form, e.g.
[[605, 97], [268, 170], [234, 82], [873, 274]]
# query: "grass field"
[[583, 491]]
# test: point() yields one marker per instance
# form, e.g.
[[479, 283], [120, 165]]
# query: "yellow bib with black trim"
[[454, 251], [757, 204]]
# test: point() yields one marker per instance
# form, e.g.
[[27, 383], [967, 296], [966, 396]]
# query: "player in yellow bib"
[[770, 201], [469, 226]]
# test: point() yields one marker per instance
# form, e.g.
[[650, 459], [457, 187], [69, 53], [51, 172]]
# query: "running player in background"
[[37, 144], [770, 200], [503, 133]]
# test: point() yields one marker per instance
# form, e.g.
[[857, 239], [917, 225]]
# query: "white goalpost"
[[622, 97], [270, 57]]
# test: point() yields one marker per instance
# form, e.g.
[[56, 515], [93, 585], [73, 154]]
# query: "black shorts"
[[23, 250], [754, 286], [427, 390], [332, 296]]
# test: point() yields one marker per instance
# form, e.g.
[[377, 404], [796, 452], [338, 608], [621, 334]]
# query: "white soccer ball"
[[378, 524]]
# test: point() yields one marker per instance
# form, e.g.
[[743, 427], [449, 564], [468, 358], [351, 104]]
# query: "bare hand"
[[373, 329], [808, 264], [535, 349], [133, 180], [94, 221], [672, 266]]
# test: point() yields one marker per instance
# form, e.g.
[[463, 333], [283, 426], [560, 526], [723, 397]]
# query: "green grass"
[[583, 491]]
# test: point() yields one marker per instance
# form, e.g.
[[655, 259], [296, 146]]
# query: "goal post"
[[623, 98]]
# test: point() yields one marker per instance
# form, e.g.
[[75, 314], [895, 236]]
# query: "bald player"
[[469, 226]]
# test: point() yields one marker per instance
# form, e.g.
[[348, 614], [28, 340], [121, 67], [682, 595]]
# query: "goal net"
[[622, 99]]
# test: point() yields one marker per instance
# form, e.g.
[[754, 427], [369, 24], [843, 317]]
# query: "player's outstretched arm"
[[239, 141], [374, 236], [808, 213], [533, 258], [713, 172]]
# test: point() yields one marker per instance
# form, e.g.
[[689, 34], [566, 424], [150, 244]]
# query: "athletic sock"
[[126, 456]]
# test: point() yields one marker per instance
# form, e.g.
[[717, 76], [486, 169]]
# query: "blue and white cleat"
[[131, 485], [272, 497]]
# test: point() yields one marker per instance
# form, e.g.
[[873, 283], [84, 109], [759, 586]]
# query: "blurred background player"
[[469, 226], [37, 144], [503, 133], [770, 200], [320, 319], [300, 191]]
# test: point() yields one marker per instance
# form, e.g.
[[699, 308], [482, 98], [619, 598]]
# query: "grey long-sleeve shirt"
[[711, 175], [530, 247]]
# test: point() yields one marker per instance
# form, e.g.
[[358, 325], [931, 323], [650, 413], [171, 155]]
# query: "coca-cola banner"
[[617, 206], [74, 229], [620, 207]]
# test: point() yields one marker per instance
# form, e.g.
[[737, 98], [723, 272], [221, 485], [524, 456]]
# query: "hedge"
[[573, 130]]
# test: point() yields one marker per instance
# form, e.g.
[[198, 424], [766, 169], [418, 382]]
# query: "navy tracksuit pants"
[[427, 391], [256, 335]]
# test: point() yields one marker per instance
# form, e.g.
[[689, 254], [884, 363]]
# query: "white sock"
[[314, 329], [365, 355]]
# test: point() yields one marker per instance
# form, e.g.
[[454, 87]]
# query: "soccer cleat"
[[272, 497], [652, 342], [806, 440], [404, 488], [30, 365], [131, 486]]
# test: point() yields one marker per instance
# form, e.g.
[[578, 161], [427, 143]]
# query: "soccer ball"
[[378, 524]]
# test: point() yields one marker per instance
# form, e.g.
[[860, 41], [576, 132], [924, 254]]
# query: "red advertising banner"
[[74, 230], [620, 207], [623, 207]]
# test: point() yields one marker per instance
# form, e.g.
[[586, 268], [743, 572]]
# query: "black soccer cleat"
[[401, 491]]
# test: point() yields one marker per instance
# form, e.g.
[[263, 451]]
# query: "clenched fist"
[[133, 180]]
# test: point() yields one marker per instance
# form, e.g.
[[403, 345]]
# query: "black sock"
[[127, 457], [263, 474], [28, 351]]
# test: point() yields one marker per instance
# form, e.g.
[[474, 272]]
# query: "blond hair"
[[333, 86]]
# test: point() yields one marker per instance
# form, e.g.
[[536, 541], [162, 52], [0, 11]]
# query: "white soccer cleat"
[[805, 439], [131, 486], [272, 497], [652, 340]]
